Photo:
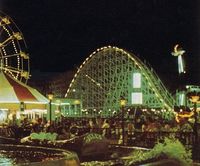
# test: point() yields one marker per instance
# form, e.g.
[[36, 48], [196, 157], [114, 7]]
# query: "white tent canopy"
[[14, 91]]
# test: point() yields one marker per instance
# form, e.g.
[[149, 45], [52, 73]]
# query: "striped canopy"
[[14, 91]]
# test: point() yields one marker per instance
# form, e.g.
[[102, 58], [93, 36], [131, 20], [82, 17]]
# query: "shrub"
[[171, 148]]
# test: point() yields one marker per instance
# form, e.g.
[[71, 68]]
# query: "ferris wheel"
[[14, 60]]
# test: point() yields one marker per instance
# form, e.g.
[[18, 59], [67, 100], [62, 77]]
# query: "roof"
[[14, 91]]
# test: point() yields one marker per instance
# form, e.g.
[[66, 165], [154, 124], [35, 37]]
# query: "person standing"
[[105, 127]]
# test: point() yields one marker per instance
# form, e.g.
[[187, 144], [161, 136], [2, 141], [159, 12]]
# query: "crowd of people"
[[67, 128]]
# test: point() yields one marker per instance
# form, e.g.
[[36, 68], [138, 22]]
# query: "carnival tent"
[[14, 92]]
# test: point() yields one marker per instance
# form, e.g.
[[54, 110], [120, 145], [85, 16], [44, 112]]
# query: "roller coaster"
[[110, 73]]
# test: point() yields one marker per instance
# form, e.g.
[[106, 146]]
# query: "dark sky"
[[61, 34]]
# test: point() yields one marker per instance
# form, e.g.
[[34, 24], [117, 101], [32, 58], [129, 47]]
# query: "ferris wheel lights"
[[24, 55], [25, 74], [6, 20], [17, 35]]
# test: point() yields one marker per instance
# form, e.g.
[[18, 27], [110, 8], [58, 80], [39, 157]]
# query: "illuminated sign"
[[136, 80], [136, 98]]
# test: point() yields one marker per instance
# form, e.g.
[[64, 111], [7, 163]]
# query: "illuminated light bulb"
[[17, 35], [6, 20], [25, 74], [24, 55]]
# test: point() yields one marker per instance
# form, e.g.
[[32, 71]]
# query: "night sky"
[[61, 34]]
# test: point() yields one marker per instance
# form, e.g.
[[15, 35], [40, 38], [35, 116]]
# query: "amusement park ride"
[[185, 96], [108, 74], [16, 98], [179, 52], [13, 57]]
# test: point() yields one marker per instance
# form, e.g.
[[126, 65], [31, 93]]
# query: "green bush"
[[171, 148]]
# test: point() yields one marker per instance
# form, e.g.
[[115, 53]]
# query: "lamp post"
[[194, 97], [123, 104], [50, 97]]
